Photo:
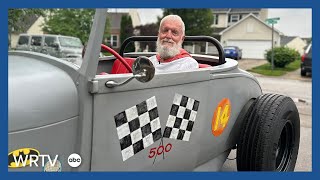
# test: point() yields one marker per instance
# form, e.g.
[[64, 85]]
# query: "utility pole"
[[272, 21]]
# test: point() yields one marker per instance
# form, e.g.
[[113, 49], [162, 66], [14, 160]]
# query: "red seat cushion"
[[119, 68], [204, 65]]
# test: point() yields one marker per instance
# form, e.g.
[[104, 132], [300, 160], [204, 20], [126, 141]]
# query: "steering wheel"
[[121, 59]]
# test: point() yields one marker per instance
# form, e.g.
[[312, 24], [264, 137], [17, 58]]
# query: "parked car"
[[130, 118], [233, 52], [306, 61], [50, 44]]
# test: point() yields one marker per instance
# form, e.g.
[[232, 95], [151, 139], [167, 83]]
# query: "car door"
[[35, 44], [50, 46], [154, 126]]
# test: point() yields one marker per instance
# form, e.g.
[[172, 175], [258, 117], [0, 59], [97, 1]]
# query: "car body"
[[306, 61], [141, 121], [50, 44], [233, 52]]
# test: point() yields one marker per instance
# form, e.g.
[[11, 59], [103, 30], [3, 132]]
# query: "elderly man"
[[171, 57]]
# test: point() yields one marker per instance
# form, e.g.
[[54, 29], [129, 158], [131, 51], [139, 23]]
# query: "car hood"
[[39, 94]]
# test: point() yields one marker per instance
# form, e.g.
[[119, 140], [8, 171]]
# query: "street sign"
[[272, 20], [276, 18]]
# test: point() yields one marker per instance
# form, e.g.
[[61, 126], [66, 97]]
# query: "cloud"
[[293, 22]]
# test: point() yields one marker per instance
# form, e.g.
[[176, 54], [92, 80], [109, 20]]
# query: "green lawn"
[[265, 69], [106, 53]]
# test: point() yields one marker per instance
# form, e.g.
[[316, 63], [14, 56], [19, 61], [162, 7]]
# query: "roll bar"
[[91, 57], [212, 40]]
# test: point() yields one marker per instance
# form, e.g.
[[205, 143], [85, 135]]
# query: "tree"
[[19, 19], [197, 21], [126, 31], [148, 30], [71, 22]]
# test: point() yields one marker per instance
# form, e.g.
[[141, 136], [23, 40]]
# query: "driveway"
[[246, 64]]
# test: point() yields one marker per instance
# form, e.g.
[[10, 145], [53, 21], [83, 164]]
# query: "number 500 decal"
[[221, 117], [159, 150]]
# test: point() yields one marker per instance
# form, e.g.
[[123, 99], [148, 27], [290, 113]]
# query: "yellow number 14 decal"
[[221, 117]]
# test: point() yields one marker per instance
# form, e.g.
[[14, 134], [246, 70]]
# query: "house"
[[251, 35], [294, 42], [226, 17], [31, 25], [245, 28], [115, 26]]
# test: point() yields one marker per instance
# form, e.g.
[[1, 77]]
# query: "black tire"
[[269, 139], [303, 72]]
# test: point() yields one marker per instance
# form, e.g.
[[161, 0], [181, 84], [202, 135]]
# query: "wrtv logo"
[[29, 157]]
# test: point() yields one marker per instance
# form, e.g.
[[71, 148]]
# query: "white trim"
[[227, 29], [112, 40]]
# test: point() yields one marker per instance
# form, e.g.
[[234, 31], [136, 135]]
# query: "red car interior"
[[119, 68]]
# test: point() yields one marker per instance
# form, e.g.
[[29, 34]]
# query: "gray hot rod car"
[[117, 114]]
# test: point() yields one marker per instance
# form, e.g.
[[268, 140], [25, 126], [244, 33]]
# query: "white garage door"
[[251, 49]]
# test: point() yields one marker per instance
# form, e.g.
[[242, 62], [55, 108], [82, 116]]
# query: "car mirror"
[[143, 69]]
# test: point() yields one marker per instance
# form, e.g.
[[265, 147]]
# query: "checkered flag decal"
[[182, 117], [138, 127]]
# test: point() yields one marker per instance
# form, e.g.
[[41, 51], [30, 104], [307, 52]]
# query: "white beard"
[[168, 52]]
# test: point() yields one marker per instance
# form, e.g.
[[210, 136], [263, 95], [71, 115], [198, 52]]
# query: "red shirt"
[[183, 53]]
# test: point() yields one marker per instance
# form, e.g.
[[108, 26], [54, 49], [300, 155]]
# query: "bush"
[[282, 56]]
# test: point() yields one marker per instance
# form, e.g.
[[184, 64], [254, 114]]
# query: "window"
[[36, 40], [215, 19], [234, 18], [113, 41], [310, 52], [50, 41], [70, 42], [23, 40]]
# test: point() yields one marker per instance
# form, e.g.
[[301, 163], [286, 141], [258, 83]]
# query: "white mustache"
[[167, 41]]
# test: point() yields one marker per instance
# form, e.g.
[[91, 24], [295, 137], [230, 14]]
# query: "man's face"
[[170, 33], [170, 39]]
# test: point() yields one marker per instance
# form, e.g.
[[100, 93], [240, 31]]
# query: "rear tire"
[[269, 140]]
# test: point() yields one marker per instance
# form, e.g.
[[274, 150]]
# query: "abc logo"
[[74, 160]]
